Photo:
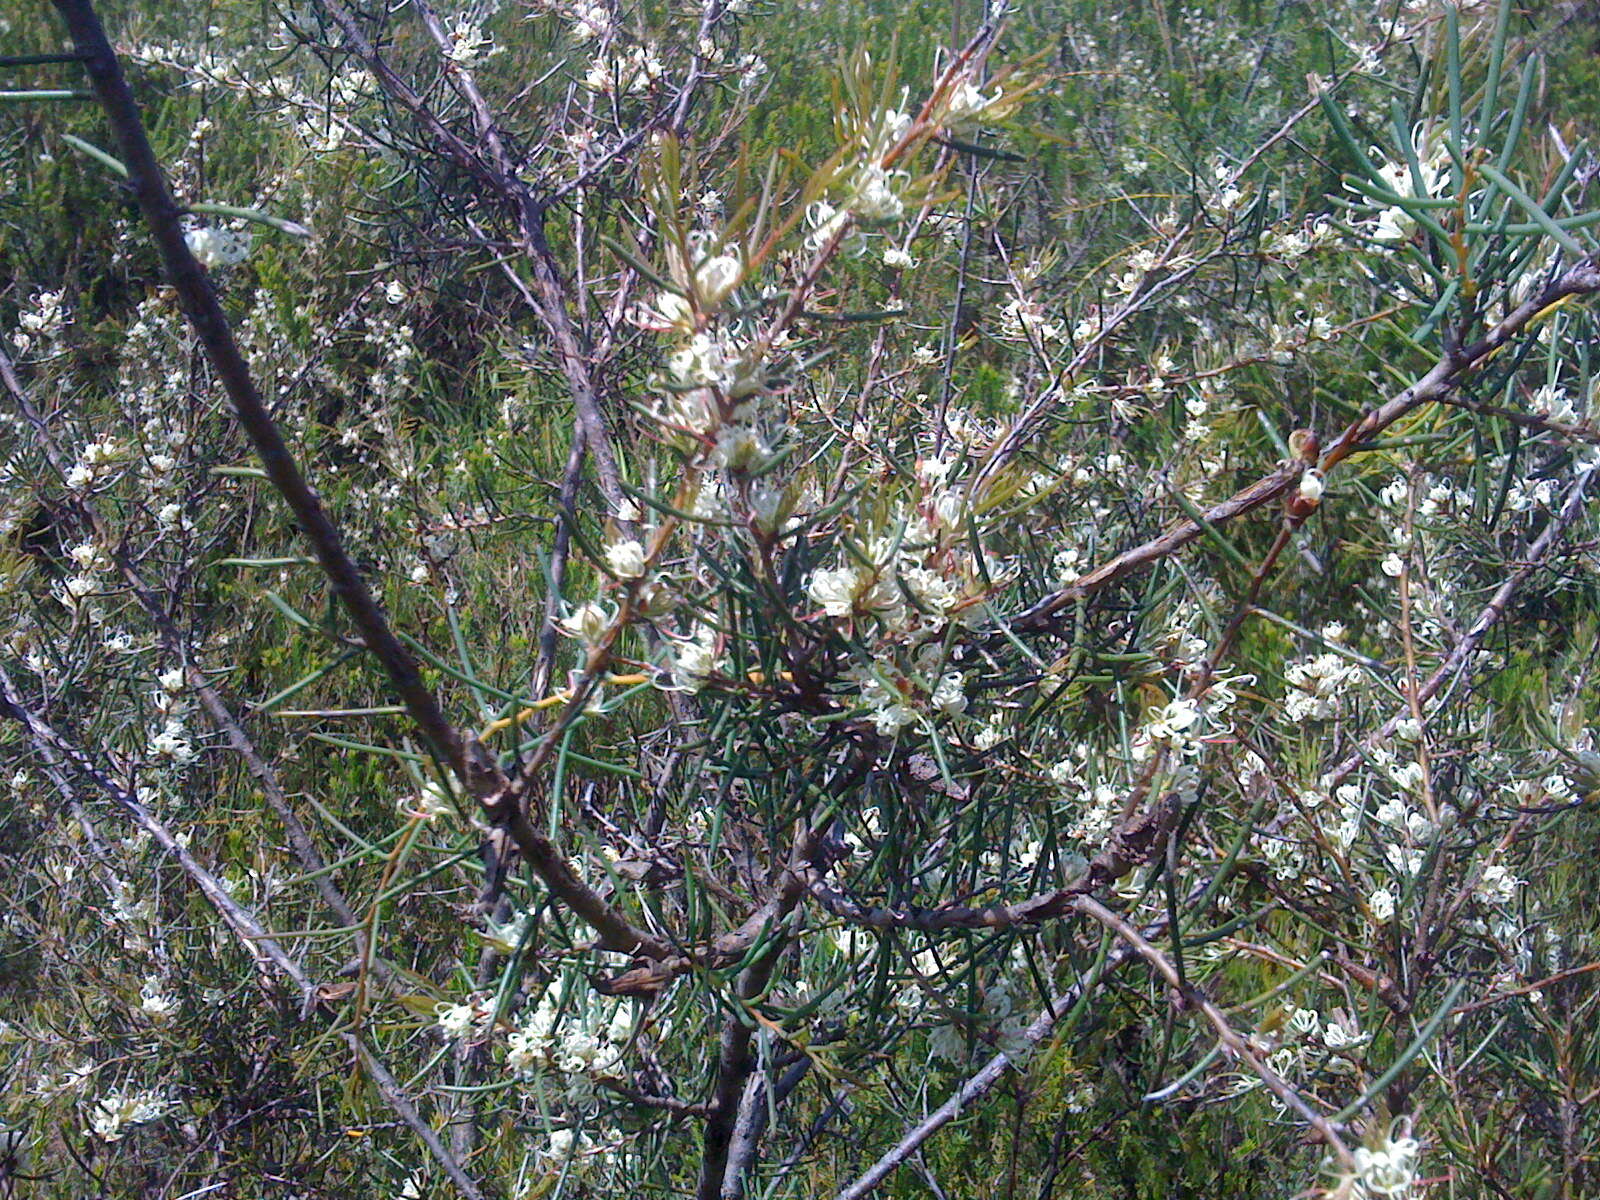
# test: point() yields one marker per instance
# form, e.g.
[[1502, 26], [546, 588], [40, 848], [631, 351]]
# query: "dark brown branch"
[[199, 301], [471, 763]]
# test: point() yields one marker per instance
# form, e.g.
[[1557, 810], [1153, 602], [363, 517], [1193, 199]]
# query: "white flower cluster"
[[217, 248], [968, 106], [591, 20], [44, 321], [1393, 224], [469, 1019], [115, 1113], [1387, 1169], [573, 1152], [155, 1002], [94, 464], [1024, 320], [869, 193], [1291, 245], [468, 43], [694, 659], [1317, 683], [629, 73], [582, 1046], [904, 592]]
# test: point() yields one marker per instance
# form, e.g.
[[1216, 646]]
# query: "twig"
[[1226, 1034], [1446, 375], [257, 941], [990, 1074], [199, 301], [473, 766]]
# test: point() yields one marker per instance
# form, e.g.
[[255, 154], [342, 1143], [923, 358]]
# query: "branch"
[[199, 301], [1456, 661], [1447, 374], [470, 762], [1226, 1034], [257, 941], [990, 1074]]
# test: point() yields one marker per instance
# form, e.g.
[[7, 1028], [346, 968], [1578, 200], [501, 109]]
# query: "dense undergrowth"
[[934, 516]]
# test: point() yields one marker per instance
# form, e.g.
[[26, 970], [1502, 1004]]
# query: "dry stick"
[[734, 1061], [528, 211], [305, 849], [753, 1116], [199, 301], [389, 1088], [257, 941], [260, 944], [990, 1074], [1582, 279], [1226, 1034], [1577, 433]]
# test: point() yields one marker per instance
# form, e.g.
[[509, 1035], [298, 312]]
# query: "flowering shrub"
[[575, 629]]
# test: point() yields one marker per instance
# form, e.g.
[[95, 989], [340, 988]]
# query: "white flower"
[[875, 200], [456, 1020], [1388, 1169], [154, 1002], [1311, 486], [967, 105], [1497, 885], [172, 681], [588, 622], [1336, 1037], [716, 277], [740, 448], [900, 260], [47, 317], [431, 802], [835, 590], [112, 1114], [694, 660], [1381, 905], [1393, 565], [626, 558], [172, 742], [1173, 721], [1304, 1021], [1393, 225], [948, 696], [1409, 776], [468, 43]]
